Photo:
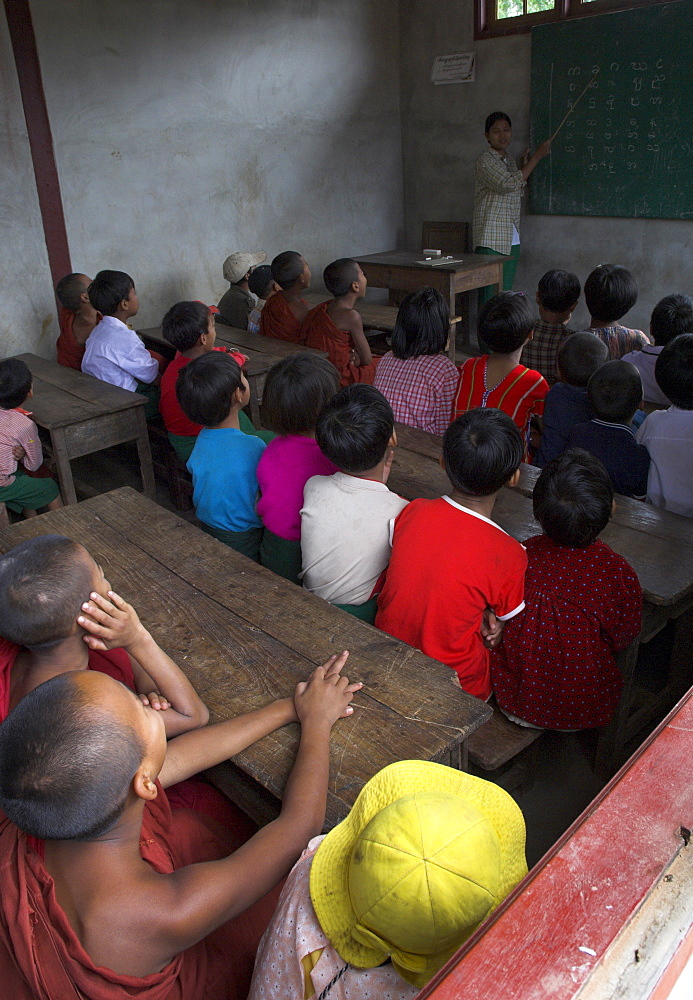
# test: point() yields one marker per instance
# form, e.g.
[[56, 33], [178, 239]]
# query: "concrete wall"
[[187, 129], [443, 133], [27, 315]]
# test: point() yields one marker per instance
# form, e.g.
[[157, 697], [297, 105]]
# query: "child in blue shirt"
[[212, 390]]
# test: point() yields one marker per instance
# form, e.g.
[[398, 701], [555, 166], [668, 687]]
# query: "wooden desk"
[[255, 368], [406, 271], [84, 415], [244, 636], [246, 341]]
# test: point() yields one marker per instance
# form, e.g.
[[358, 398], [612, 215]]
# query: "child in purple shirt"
[[295, 391]]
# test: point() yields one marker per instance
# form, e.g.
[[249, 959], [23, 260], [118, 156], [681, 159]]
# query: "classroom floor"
[[552, 781]]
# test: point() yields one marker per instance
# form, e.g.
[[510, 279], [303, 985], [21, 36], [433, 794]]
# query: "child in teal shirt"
[[211, 391]]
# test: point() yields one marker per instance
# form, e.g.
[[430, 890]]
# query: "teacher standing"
[[498, 188]]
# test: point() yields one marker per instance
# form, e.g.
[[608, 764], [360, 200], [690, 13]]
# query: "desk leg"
[[62, 461], [452, 341], [144, 453]]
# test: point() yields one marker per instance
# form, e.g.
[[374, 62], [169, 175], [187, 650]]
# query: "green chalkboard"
[[627, 149]]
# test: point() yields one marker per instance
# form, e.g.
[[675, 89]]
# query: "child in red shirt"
[[555, 667], [455, 577], [190, 328], [505, 325]]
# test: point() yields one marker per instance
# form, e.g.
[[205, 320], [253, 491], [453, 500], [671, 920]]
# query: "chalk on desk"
[[433, 253]]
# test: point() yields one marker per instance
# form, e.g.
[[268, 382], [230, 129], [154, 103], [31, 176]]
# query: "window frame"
[[487, 26]]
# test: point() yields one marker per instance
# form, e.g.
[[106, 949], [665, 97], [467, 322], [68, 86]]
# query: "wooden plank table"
[[255, 368], [244, 340], [407, 270], [244, 636], [82, 415]]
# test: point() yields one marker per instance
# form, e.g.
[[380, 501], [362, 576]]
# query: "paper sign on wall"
[[455, 68]]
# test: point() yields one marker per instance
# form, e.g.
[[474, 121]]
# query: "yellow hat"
[[422, 858]]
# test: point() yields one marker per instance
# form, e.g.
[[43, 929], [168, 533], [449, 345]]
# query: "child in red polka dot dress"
[[555, 666]]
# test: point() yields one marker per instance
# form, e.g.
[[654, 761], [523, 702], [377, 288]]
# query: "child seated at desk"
[[190, 328], [212, 390], [107, 892], [554, 667], [365, 908], [345, 517], [262, 284], [283, 313], [557, 297], [237, 303], [579, 357], [295, 391], [610, 292], [455, 578], [77, 318], [58, 613], [20, 446], [417, 377], [671, 316], [668, 434], [336, 327], [614, 393], [113, 352], [498, 379]]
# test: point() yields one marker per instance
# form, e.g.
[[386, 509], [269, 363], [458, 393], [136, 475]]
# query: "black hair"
[[260, 279], [482, 449], [205, 388], [422, 325], [70, 288], [494, 117], [295, 391], [184, 324], [108, 289], [15, 383], [355, 427], [506, 321], [287, 268], [614, 392], [339, 275], [573, 498], [65, 764], [671, 316], [610, 291], [674, 371], [558, 291], [43, 585], [579, 356]]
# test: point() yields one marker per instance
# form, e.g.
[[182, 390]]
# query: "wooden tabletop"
[[417, 259], [63, 396], [245, 340], [245, 636], [656, 543], [258, 363]]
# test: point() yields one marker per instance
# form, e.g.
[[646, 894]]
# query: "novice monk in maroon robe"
[[93, 899], [336, 327], [283, 313], [77, 318], [45, 583]]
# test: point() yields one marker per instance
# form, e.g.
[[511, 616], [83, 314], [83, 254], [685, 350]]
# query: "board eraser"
[[433, 253]]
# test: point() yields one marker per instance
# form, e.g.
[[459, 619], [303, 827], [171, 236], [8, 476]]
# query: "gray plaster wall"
[[27, 312], [443, 133], [187, 129]]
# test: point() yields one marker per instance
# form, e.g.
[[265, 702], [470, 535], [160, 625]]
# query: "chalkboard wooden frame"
[[628, 148]]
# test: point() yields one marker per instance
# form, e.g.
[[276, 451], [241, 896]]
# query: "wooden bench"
[[82, 414], [498, 741]]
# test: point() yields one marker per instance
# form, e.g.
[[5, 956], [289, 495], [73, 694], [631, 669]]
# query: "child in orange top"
[[284, 312], [335, 326], [498, 379], [77, 319]]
